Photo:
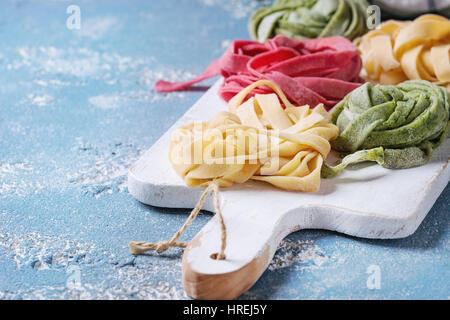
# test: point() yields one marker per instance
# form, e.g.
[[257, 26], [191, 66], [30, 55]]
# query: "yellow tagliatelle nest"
[[259, 140], [400, 50]]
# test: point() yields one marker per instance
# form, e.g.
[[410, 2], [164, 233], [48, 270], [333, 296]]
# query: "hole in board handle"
[[215, 255]]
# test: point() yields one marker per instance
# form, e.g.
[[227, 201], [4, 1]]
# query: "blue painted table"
[[77, 108]]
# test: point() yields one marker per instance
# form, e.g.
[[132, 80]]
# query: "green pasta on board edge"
[[397, 126]]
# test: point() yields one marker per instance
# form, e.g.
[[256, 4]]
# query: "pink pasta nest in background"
[[309, 72]]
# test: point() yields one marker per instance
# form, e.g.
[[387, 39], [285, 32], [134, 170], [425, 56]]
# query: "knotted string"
[[139, 247]]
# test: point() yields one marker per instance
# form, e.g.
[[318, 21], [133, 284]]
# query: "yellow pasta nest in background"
[[400, 50]]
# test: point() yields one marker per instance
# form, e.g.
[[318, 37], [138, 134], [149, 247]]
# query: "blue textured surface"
[[77, 108]]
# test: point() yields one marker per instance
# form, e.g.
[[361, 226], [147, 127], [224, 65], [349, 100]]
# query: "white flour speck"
[[105, 169], [299, 253], [52, 82], [17, 179], [106, 101], [96, 27], [40, 100], [225, 43], [148, 77], [75, 62], [44, 252]]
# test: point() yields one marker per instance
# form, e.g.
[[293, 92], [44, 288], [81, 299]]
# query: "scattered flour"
[[124, 281], [117, 100], [301, 254], [52, 82], [75, 62], [148, 77], [130, 285], [54, 68], [106, 101], [17, 179], [133, 281], [105, 169], [225, 43], [45, 252], [14, 168], [40, 100], [96, 27]]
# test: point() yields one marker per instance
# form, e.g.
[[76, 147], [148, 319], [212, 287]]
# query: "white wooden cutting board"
[[369, 202]]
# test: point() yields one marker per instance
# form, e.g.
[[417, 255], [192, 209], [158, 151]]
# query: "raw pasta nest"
[[265, 138], [309, 72], [304, 19], [400, 50], [397, 126]]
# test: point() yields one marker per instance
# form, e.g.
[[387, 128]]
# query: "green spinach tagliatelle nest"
[[398, 126], [304, 19]]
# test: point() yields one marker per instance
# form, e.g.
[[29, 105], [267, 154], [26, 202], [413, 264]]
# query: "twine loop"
[[139, 247]]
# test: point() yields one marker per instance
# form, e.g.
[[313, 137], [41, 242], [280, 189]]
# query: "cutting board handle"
[[246, 257]]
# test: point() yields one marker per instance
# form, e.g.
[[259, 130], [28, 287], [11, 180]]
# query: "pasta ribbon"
[[304, 19], [309, 72], [397, 126], [259, 139], [400, 50]]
